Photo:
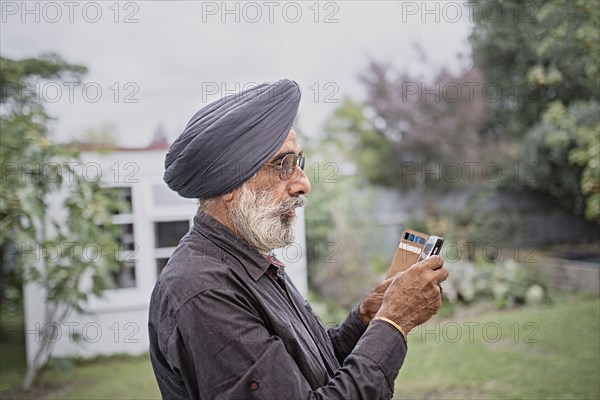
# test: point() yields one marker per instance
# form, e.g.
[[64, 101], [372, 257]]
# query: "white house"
[[117, 322]]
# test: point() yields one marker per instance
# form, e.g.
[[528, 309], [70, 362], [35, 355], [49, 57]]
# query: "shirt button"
[[253, 385]]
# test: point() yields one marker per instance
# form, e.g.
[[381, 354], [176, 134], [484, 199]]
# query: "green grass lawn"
[[110, 378], [118, 377], [546, 353], [556, 356], [12, 351]]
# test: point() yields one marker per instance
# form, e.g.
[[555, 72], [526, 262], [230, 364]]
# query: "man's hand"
[[372, 301], [414, 296]]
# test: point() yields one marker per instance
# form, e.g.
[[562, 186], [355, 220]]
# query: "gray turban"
[[226, 142]]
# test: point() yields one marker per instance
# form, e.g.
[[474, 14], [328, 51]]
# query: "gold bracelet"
[[395, 325]]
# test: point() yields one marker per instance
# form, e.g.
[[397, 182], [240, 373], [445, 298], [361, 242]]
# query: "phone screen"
[[432, 247]]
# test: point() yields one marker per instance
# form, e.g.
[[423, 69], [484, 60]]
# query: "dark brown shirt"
[[222, 327]]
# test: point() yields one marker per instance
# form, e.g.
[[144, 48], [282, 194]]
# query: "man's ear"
[[228, 197]]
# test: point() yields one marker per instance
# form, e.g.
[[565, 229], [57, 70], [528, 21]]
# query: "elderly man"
[[225, 320]]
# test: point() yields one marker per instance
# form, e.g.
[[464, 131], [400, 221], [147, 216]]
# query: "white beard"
[[261, 220]]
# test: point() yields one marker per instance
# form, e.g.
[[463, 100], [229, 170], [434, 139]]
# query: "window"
[[126, 239], [124, 194], [168, 234], [124, 277]]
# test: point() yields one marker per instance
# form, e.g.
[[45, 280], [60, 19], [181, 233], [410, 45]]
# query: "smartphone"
[[432, 247], [414, 246]]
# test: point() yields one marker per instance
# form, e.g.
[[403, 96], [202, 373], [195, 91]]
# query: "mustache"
[[291, 204]]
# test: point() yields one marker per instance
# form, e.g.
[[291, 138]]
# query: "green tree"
[[545, 58], [575, 130], [536, 52], [409, 124], [34, 172]]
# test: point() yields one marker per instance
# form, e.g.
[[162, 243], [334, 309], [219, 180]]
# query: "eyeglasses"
[[287, 165]]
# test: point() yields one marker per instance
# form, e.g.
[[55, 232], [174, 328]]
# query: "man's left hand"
[[371, 303]]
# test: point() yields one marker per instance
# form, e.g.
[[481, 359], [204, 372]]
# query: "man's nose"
[[299, 184]]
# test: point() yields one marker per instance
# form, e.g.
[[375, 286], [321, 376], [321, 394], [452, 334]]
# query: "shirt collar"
[[255, 263]]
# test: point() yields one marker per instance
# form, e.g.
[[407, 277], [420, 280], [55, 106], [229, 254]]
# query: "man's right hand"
[[414, 296]]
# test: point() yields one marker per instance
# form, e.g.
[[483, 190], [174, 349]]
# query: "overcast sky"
[[154, 62]]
